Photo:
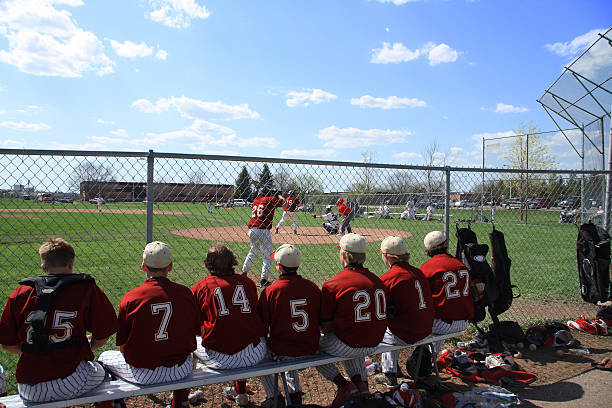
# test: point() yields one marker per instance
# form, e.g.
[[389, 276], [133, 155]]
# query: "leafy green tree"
[[243, 185], [265, 177]]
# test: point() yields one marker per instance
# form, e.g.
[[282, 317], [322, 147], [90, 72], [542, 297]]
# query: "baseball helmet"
[[340, 201], [290, 192]]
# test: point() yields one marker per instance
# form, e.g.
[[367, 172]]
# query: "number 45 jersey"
[[290, 309], [355, 301], [158, 323]]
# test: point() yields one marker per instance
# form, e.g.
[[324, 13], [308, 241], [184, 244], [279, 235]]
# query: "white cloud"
[[161, 55], [46, 41], [26, 127], [12, 144], [398, 52], [308, 153], [106, 141], [2, 112], [505, 108], [397, 2], [353, 137], [132, 50], [197, 109], [442, 53], [454, 151], [577, 45], [395, 54], [390, 102], [105, 122], [201, 135], [315, 96], [119, 132], [407, 157], [177, 13]]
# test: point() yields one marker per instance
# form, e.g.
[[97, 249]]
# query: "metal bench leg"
[[434, 357], [285, 387]]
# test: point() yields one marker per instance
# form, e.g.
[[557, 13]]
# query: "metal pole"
[[582, 181], [150, 167], [608, 179], [527, 178], [447, 201], [483, 179]]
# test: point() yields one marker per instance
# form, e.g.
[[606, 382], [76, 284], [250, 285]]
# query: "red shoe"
[[583, 324], [345, 392]]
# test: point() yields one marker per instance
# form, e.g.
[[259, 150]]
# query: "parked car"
[[536, 203], [45, 197], [95, 200], [65, 200], [240, 202], [511, 203], [466, 203], [570, 203]]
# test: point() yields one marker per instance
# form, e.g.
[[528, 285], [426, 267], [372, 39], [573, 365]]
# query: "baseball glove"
[[314, 215]]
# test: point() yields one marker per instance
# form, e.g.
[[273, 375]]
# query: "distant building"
[[137, 191]]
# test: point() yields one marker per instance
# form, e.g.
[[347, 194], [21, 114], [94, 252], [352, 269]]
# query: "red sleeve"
[[8, 324], [199, 294], [124, 325], [328, 304], [264, 310], [102, 319]]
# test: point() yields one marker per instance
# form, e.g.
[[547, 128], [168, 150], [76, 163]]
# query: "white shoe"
[[241, 399]]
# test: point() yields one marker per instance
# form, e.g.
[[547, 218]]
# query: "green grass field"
[[109, 245]]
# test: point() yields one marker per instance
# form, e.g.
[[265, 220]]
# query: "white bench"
[[116, 389]]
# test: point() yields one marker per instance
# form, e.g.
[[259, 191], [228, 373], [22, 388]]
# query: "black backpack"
[[593, 256], [500, 263]]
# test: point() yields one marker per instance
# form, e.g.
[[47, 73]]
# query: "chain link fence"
[[108, 205]]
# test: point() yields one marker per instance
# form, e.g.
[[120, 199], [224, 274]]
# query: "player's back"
[[158, 322], [290, 308], [228, 306], [409, 293], [291, 203], [262, 212], [357, 301]]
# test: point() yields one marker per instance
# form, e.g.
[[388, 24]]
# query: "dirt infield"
[[89, 210], [307, 235]]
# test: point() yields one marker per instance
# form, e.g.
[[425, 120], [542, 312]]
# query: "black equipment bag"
[[47, 287], [500, 263], [593, 257]]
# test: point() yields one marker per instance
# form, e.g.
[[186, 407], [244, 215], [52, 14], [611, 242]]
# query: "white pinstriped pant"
[[291, 216], [114, 360], [270, 383], [441, 327], [87, 376], [389, 359], [330, 344], [247, 357], [261, 241], [2, 381]]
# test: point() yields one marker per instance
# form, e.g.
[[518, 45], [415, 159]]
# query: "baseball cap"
[[353, 243], [340, 201], [434, 239], [393, 246], [287, 255], [157, 255]]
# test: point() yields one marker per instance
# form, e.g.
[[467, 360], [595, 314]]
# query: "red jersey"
[[291, 203], [344, 210], [228, 308], [78, 308], [263, 212], [158, 324], [290, 309], [449, 281], [355, 300], [410, 298]]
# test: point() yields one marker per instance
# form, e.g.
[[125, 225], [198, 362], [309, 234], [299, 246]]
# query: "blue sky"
[[311, 79]]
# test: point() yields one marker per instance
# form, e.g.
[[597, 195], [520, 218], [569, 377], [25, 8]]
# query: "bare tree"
[[282, 179], [434, 158], [90, 174]]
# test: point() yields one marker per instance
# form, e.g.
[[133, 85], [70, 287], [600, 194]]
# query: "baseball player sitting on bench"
[[45, 322], [232, 331], [353, 318], [289, 309], [331, 226], [410, 309], [158, 325], [449, 281]]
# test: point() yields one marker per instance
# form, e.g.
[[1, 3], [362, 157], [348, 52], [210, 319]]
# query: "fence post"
[[447, 201], [150, 198]]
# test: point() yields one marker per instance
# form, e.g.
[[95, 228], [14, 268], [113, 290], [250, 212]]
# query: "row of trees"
[[282, 180]]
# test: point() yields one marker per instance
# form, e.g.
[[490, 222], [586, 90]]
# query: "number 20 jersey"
[[449, 282], [355, 300], [158, 322]]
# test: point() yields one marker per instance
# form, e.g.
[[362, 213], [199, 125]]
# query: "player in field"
[[449, 281], [331, 226], [45, 322], [347, 216], [289, 309], [353, 318], [232, 331], [260, 238], [291, 204], [410, 310], [158, 324]]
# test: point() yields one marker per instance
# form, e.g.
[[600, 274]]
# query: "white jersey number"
[[166, 309], [296, 304], [239, 298], [257, 211], [59, 323], [450, 279], [363, 302], [419, 289]]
